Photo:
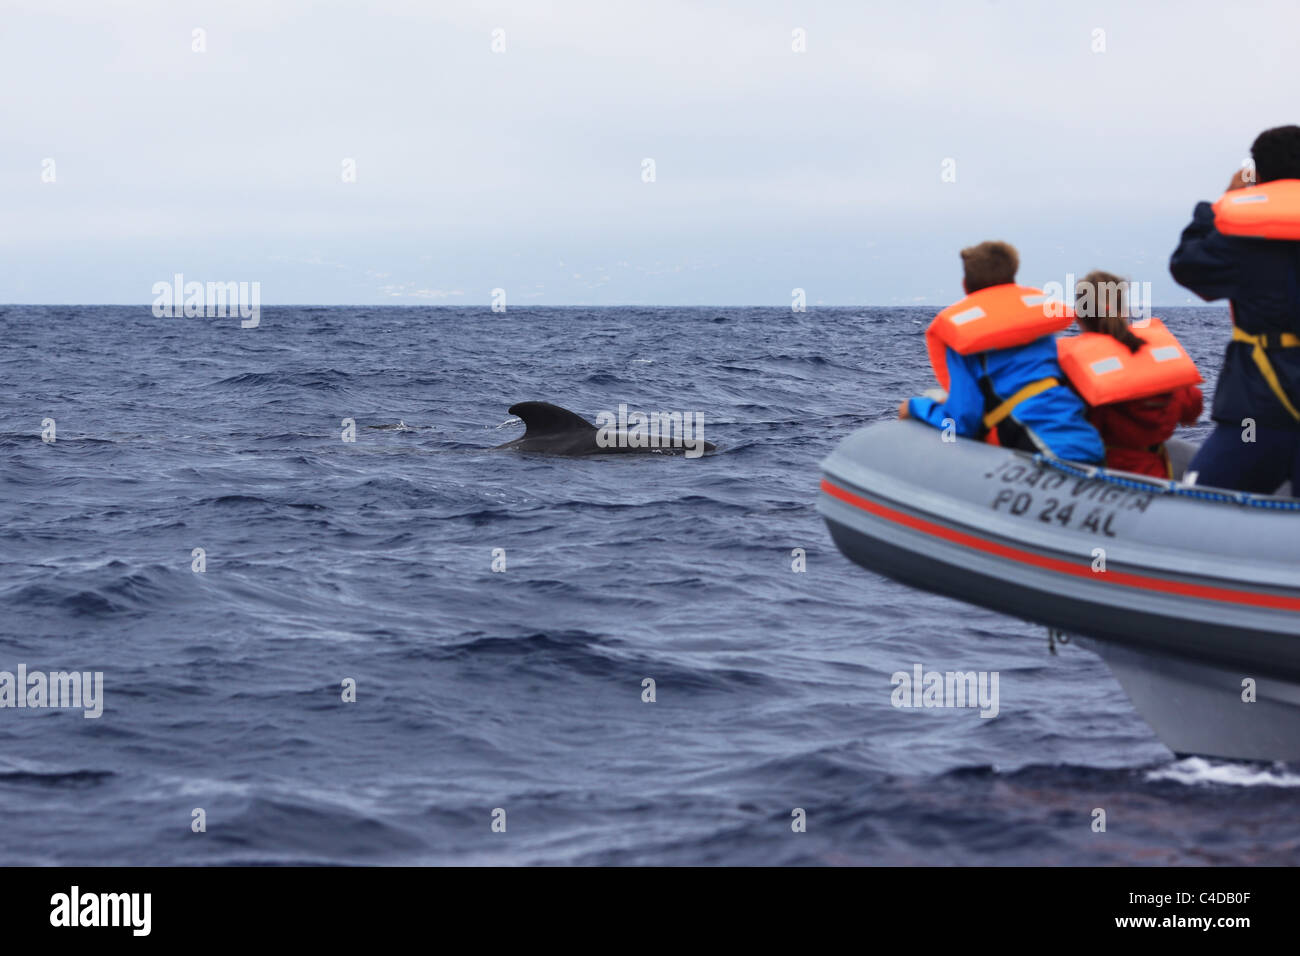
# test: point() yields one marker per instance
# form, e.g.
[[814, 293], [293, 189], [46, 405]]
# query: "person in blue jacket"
[[1256, 442], [1054, 421]]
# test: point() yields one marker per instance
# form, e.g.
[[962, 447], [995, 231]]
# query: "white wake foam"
[[1199, 771]]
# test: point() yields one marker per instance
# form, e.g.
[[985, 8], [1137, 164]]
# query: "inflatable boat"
[[1190, 594]]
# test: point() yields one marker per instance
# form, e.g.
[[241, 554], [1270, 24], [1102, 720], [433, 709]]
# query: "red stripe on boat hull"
[[1204, 591]]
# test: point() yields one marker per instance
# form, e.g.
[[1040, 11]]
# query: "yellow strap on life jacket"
[[1262, 342], [999, 414]]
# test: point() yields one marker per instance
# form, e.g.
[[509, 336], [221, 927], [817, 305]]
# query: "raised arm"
[[1205, 261]]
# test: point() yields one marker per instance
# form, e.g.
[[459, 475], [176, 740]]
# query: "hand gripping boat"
[[1186, 592]]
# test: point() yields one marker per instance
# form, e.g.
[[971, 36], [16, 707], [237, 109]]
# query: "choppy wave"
[[209, 532]]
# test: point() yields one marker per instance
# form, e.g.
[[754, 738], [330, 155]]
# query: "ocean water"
[[521, 690]]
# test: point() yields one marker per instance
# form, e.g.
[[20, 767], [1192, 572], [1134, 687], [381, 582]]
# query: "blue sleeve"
[[1205, 261], [965, 404]]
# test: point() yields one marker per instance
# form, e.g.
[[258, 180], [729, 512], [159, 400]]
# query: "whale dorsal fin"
[[543, 418]]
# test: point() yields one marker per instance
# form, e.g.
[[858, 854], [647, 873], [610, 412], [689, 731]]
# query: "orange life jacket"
[[999, 317], [1104, 371], [1268, 211]]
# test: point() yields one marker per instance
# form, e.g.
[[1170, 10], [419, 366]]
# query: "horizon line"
[[554, 305]]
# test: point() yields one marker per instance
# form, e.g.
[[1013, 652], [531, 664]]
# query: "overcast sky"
[[523, 169]]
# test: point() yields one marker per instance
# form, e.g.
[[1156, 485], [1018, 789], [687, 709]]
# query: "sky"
[[1082, 132]]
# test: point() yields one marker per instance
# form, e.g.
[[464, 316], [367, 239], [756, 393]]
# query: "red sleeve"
[[1193, 403]]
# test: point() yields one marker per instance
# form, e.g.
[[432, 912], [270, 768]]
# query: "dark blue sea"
[[328, 561]]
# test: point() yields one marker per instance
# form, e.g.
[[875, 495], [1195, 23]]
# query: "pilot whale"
[[552, 430]]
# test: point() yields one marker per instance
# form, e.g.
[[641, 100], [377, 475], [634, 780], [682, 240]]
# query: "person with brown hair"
[[1135, 428], [994, 354]]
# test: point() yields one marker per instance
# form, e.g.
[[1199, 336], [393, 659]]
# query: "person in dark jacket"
[[1256, 444]]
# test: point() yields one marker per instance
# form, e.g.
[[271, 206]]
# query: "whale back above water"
[[552, 430]]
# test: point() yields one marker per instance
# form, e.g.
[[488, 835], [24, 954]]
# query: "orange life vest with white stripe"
[[1104, 371], [1268, 211], [999, 317]]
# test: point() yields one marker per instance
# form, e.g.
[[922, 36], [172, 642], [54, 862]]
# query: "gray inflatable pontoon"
[[1185, 591]]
